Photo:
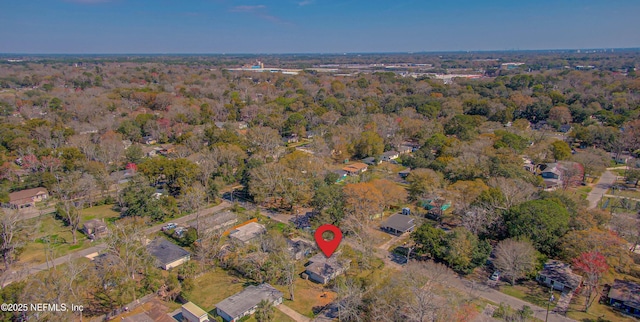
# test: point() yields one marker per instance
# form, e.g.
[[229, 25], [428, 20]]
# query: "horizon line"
[[605, 49]]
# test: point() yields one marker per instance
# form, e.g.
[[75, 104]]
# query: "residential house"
[[414, 146], [193, 313], [122, 176], [560, 276], [153, 312], [398, 224], [565, 128], [321, 269], [216, 222], [302, 219], [620, 158], [625, 296], [151, 151], [245, 303], [371, 161], [404, 173], [167, 254], [242, 125], [293, 138], [342, 175], [27, 198], [558, 174], [246, 233], [390, 155], [166, 150], [405, 149], [355, 169], [528, 165], [299, 248], [148, 140], [95, 228]]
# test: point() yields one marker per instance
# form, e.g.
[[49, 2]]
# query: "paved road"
[[604, 183], [480, 290], [483, 291], [16, 275]]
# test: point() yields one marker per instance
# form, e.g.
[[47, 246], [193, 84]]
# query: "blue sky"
[[313, 26]]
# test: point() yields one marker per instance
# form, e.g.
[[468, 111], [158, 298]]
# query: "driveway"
[[292, 314], [604, 183]]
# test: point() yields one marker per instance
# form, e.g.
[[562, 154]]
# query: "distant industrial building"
[[259, 68]]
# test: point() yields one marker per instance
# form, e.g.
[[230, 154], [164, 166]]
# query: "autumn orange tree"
[[592, 265], [363, 200], [392, 194]]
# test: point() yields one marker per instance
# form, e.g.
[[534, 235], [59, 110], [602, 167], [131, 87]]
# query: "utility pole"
[[551, 298]]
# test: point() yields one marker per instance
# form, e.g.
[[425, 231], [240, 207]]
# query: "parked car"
[[495, 276], [179, 232], [169, 226]]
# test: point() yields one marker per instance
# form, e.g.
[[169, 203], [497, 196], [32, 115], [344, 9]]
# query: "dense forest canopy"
[[463, 135]]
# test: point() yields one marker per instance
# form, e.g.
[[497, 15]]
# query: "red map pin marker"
[[328, 246]]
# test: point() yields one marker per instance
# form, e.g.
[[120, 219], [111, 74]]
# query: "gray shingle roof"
[[165, 251], [325, 267], [217, 221], [235, 305], [627, 292], [561, 272], [398, 222], [248, 232]]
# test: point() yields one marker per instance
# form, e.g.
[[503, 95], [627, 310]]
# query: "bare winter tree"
[[479, 219], [349, 300], [127, 243], [594, 161], [85, 144], [515, 259], [421, 280], [264, 141], [55, 286], [10, 231], [209, 247], [73, 189], [193, 200], [515, 191]]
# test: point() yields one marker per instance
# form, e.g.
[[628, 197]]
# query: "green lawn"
[[583, 191], [213, 287], [99, 212], [619, 172], [625, 193], [531, 292], [57, 233], [595, 311]]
